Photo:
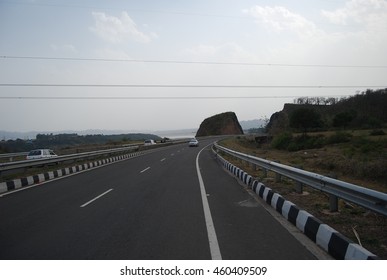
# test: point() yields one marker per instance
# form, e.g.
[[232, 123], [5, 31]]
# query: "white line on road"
[[145, 170], [94, 199], [163, 159], [212, 239]]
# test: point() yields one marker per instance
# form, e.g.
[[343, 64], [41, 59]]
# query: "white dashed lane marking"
[[94, 199], [142, 171]]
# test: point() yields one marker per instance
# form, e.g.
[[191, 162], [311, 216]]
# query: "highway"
[[158, 206]]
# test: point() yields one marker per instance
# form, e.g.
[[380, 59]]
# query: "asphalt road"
[[149, 207]]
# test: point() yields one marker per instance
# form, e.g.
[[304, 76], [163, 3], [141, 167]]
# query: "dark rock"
[[221, 124]]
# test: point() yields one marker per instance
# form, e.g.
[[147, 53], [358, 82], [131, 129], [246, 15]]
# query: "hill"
[[362, 111], [222, 124]]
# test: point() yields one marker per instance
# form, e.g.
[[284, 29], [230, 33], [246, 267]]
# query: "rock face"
[[221, 124]]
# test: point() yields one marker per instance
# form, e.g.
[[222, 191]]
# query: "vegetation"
[[52, 141], [365, 110], [305, 119]]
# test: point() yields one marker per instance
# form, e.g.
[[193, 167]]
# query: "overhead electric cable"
[[184, 86], [145, 97], [190, 62]]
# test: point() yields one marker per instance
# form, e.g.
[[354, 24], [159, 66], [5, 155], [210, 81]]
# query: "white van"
[[41, 153]]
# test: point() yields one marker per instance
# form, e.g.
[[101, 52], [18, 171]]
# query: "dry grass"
[[357, 223]]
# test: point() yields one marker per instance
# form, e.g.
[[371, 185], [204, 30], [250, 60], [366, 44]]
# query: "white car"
[[193, 143], [41, 153], [149, 142]]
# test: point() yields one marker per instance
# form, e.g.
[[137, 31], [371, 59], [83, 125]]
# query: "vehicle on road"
[[41, 153], [193, 142], [149, 142]]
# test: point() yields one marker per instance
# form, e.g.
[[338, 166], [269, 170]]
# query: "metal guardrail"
[[58, 159], [370, 199], [13, 155], [8, 166]]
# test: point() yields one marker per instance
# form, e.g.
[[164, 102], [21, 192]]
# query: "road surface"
[[174, 203]]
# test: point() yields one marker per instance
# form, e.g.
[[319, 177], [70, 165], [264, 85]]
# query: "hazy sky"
[[160, 65]]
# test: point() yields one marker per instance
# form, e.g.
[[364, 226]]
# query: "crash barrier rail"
[[333, 242], [367, 198], [59, 159], [10, 166], [10, 156]]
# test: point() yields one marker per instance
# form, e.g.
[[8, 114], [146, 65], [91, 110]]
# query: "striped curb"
[[333, 242], [43, 177]]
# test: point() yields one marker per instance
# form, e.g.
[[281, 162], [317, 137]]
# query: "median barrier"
[[46, 176]]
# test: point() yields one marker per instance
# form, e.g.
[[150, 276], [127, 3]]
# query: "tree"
[[305, 119], [343, 119]]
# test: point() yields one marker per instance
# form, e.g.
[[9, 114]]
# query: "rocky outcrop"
[[221, 124]]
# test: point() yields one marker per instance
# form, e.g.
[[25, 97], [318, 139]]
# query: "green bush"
[[308, 142], [282, 141], [339, 137], [286, 141]]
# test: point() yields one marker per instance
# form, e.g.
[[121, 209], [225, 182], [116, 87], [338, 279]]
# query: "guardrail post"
[[299, 185], [333, 203], [333, 200], [278, 177]]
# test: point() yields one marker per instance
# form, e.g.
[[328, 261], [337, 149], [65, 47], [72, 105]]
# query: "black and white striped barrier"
[[333, 242], [40, 178]]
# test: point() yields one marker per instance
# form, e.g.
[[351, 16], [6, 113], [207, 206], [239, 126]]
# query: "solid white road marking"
[[145, 170], [94, 199], [212, 239], [163, 159]]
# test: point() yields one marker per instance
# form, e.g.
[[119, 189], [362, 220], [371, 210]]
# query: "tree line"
[[54, 141], [305, 100]]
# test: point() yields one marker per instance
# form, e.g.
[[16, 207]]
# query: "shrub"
[[339, 137], [282, 141], [377, 132]]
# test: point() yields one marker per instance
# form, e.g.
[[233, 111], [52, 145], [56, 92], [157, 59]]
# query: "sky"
[[164, 65]]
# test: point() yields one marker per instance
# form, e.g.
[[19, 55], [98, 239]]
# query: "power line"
[[191, 62], [187, 86], [147, 97]]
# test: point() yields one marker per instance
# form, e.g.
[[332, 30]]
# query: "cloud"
[[116, 30], [369, 13], [362, 41], [280, 19], [366, 21]]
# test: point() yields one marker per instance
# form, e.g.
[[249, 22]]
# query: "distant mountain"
[[30, 135], [7, 135], [177, 133], [256, 123]]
